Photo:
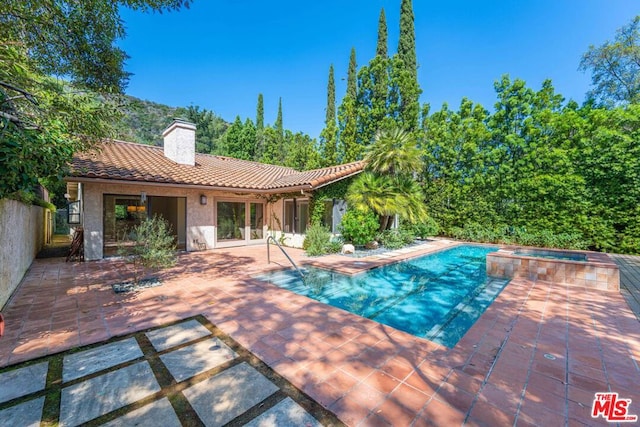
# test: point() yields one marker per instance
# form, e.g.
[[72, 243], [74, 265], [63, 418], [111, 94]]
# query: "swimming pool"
[[437, 296]]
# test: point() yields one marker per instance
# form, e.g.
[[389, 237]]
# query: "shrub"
[[359, 226], [424, 229], [318, 241], [396, 238], [153, 246]]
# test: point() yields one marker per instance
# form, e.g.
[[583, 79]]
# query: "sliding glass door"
[[239, 223]]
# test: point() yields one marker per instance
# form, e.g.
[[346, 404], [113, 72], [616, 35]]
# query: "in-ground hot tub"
[[592, 269]]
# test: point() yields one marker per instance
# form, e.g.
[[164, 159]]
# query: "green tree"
[[259, 127], [273, 151], [240, 140], [43, 120], [615, 66], [210, 129], [300, 152], [248, 140], [404, 71], [154, 247], [372, 104], [347, 117], [328, 136], [388, 186], [278, 124]]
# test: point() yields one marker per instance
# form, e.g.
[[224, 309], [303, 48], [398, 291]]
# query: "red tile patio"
[[536, 356]]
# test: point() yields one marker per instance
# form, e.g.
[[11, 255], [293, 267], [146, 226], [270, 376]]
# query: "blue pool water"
[[437, 296]]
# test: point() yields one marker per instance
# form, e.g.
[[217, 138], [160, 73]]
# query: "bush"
[[359, 226], [474, 232], [318, 241], [396, 238], [153, 246], [424, 229]]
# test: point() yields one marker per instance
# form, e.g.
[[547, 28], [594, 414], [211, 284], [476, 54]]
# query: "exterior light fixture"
[[143, 197], [203, 199]]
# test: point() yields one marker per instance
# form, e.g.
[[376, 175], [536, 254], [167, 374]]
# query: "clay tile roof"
[[126, 161]]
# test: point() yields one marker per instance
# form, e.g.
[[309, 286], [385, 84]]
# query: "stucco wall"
[[21, 237], [199, 222]]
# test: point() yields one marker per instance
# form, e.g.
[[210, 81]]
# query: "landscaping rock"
[[348, 249], [372, 245]]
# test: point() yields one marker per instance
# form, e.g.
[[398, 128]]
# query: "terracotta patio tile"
[[505, 399], [352, 348], [437, 371], [539, 414], [373, 358], [382, 382], [321, 370], [375, 420], [357, 369], [486, 414], [324, 393], [464, 382], [366, 395], [580, 416], [422, 382], [395, 413], [543, 385], [349, 410], [410, 397], [455, 397], [438, 413], [397, 367], [342, 380], [586, 383]]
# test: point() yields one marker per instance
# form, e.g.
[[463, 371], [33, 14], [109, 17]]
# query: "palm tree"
[[388, 187], [394, 152]]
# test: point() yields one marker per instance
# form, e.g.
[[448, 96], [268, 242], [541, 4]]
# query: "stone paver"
[[92, 398], [25, 414], [284, 414], [87, 362], [158, 413], [23, 381], [165, 338], [194, 359], [225, 396]]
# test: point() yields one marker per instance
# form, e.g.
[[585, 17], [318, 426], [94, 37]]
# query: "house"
[[209, 201]]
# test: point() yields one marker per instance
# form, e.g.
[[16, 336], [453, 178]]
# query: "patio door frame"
[[247, 239]]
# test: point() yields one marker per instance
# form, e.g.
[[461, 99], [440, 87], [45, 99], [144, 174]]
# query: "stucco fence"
[[21, 237]]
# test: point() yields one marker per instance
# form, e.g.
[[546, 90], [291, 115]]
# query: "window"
[[296, 216], [332, 215], [73, 212], [231, 221]]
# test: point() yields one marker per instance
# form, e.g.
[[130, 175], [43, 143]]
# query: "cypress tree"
[[328, 135], [404, 71], [279, 135], [259, 128], [381, 47], [347, 115], [260, 113], [278, 124], [351, 75], [407, 41]]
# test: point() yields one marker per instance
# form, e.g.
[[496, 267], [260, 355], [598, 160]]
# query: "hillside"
[[144, 121]]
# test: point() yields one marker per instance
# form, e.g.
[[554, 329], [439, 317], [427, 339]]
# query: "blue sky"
[[220, 54]]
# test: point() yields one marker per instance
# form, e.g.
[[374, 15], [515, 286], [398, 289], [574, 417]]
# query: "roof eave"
[[305, 187], [336, 180]]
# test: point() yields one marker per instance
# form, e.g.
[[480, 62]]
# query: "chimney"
[[180, 142]]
